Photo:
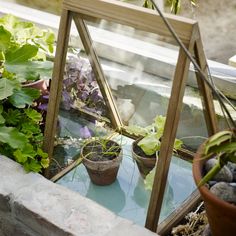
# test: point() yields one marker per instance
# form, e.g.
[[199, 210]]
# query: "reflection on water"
[[111, 197]]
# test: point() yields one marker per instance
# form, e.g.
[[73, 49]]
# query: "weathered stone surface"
[[223, 175], [38, 207], [5, 202], [224, 191]]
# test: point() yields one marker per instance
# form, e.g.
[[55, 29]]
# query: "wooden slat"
[[101, 80], [206, 95], [56, 83], [174, 219], [134, 16], [170, 129]]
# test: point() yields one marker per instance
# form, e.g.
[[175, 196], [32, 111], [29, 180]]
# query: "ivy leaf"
[[24, 97], [33, 115], [21, 54], [7, 87], [5, 38], [13, 137]]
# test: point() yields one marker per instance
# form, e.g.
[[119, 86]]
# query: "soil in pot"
[[102, 161], [145, 163]]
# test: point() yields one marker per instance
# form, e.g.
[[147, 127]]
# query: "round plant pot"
[[145, 164], [101, 172], [39, 84], [221, 214]]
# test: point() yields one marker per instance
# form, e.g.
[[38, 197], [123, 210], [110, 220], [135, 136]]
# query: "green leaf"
[[2, 119], [7, 87], [30, 129], [150, 144], [12, 137], [12, 117], [32, 165], [31, 70], [24, 97], [148, 182], [33, 115], [177, 144], [216, 140], [137, 130], [5, 39], [21, 54]]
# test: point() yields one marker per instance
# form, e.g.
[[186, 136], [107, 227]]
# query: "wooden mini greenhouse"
[[148, 23]]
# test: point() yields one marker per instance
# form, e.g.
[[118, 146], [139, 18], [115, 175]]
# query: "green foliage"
[[150, 143], [20, 133], [221, 145]]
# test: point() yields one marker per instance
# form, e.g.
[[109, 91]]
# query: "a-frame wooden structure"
[[146, 20]]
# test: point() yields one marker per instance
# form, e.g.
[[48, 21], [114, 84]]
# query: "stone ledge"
[[32, 205]]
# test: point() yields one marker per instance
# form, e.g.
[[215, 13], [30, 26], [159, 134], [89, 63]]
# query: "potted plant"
[[222, 148], [26, 48], [145, 149], [101, 157]]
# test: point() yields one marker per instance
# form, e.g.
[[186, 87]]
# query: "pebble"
[[224, 191], [232, 167], [224, 174]]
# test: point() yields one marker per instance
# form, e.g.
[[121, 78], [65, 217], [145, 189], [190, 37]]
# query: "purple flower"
[[85, 132]]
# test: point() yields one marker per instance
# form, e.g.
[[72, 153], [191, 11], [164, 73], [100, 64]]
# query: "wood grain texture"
[[169, 134], [138, 17], [56, 83], [205, 92]]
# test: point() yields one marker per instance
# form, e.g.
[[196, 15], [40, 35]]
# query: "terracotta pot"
[[101, 172], [39, 84], [145, 164], [221, 214]]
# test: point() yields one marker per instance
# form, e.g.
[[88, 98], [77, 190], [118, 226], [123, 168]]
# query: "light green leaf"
[[148, 182], [137, 130], [21, 54], [7, 87], [150, 144], [33, 115], [177, 144], [5, 39], [26, 152], [12, 137], [24, 97]]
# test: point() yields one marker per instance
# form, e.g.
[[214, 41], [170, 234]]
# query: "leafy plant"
[[80, 89], [151, 141], [20, 124], [222, 146], [21, 43]]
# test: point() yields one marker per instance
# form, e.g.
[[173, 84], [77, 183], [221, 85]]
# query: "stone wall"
[[31, 205]]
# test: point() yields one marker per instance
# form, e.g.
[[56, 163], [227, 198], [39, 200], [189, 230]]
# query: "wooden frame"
[[146, 20]]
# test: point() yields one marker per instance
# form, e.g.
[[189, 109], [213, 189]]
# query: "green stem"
[[210, 174]]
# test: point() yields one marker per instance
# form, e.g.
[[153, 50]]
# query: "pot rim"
[[117, 158]]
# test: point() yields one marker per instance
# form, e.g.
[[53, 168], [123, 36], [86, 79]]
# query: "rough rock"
[[232, 167], [224, 191], [224, 174]]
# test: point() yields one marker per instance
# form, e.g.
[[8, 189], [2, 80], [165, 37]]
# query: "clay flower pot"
[[41, 85], [101, 166], [221, 214], [145, 164]]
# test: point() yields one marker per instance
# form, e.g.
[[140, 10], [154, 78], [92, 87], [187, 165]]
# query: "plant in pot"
[[102, 157], [26, 50], [145, 149], [214, 171]]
